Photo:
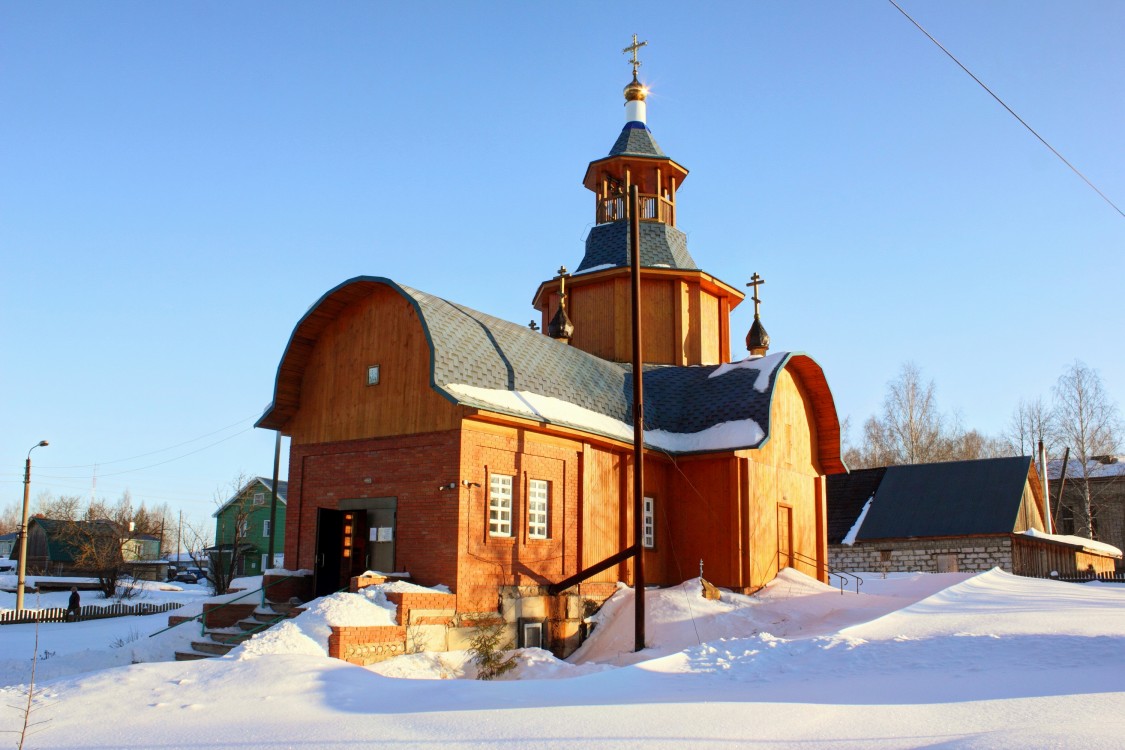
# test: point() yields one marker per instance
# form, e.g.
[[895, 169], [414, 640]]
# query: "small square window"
[[259, 498], [500, 505], [373, 375], [531, 634]]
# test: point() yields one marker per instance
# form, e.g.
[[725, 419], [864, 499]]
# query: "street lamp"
[[23, 527]]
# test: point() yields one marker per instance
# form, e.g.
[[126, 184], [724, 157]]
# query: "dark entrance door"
[[329, 550], [381, 533], [373, 533]]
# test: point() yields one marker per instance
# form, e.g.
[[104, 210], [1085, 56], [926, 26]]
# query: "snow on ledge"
[[741, 433], [1077, 541]]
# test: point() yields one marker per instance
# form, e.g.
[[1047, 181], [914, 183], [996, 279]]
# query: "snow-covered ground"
[[949, 661]]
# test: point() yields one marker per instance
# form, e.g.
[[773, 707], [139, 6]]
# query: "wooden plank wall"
[[725, 509], [336, 402], [1029, 516], [682, 324], [605, 519]]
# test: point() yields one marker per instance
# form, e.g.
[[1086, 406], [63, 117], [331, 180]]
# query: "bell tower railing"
[[652, 208]]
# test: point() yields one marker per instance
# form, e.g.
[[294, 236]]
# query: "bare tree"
[[1088, 423], [1032, 421], [10, 518], [230, 534], [61, 507]]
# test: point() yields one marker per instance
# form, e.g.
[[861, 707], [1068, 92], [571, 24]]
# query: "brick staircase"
[[242, 622]]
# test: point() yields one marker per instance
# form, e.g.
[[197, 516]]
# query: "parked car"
[[190, 575]]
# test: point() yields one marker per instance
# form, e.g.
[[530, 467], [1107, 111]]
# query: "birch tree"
[[1088, 423]]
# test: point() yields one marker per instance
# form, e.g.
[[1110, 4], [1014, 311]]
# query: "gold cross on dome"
[[632, 48], [756, 281]]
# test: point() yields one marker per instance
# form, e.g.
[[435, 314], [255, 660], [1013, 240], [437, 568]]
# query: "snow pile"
[[918, 660], [1078, 541], [308, 632]]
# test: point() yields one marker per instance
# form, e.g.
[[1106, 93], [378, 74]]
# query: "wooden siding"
[[685, 315], [1029, 516], [709, 328], [380, 328], [606, 520]]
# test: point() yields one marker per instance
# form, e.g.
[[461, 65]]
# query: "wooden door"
[[784, 537]]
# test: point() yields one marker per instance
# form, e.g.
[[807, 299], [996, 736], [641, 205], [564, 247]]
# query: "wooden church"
[[435, 440]]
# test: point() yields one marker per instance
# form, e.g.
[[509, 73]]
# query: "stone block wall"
[[976, 554]]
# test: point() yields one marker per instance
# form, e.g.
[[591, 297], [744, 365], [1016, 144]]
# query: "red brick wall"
[[410, 468], [366, 645], [489, 562], [226, 615]]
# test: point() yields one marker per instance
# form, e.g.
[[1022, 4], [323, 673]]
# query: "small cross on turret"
[[756, 281], [632, 48], [757, 341]]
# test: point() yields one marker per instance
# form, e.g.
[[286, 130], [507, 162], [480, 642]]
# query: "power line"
[[1010, 110], [153, 453], [159, 463]]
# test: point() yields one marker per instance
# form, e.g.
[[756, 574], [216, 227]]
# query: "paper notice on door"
[[386, 534], [372, 535]]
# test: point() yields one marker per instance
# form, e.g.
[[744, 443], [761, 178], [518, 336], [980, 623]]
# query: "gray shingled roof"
[[475, 349], [635, 140], [661, 245], [957, 498]]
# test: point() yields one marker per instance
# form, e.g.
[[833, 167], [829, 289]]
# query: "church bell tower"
[[686, 312]]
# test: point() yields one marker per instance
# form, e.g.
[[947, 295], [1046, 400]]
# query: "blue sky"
[[180, 181]]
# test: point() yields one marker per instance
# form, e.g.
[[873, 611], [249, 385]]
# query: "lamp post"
[[23, 527]]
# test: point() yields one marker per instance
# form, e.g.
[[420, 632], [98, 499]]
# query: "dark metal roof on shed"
[[958, 498], [847, 494]]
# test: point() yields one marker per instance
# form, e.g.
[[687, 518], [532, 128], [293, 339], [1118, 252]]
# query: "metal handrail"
[[831, 571], [200, 616]]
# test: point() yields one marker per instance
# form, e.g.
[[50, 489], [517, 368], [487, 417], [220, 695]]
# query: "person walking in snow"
[[73, 605]]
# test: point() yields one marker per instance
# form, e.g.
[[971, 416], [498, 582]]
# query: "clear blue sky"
[[180, 181]]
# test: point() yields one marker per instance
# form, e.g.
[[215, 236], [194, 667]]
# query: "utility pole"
[[638, 424], [22, 577], [273, 500]]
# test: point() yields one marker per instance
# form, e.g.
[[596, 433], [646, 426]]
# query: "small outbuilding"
[[950, 517]]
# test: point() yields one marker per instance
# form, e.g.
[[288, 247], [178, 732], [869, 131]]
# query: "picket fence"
[[89, 612]]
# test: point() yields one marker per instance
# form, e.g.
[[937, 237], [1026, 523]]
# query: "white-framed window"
[[243, 527], [266, 527], [538, 501], [500, 505], [648, 523], [259, 498]]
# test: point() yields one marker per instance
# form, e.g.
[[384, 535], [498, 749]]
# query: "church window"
[[500, 505], [537, 503], [648, 523]]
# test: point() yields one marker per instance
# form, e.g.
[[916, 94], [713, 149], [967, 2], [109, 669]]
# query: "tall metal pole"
[[22, 572], [638, 423], [273, 499]]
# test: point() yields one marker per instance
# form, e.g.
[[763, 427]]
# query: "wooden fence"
[[89, 612]]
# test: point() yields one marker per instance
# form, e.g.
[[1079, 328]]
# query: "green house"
[[243, 522]]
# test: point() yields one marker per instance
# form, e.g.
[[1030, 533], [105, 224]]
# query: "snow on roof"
[[1097, 468], [723, 436], [764, 366], [849, 538], [1088, 545]]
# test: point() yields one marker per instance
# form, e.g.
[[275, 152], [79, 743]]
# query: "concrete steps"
[[220, 642]]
